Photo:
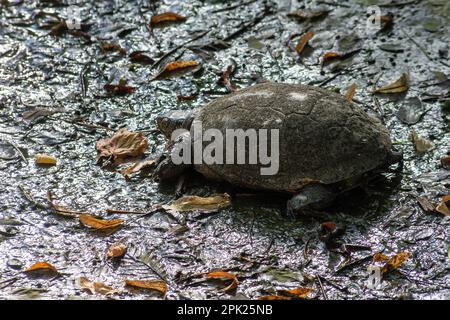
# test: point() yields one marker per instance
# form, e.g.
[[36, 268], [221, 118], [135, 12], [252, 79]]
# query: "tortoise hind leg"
[[311, 197]]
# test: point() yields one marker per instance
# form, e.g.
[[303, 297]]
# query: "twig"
[[157, 63], [418, 45], [322, 288], [13, 144], [37, 204]]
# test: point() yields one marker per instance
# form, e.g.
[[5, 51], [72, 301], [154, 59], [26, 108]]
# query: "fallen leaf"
[[329, 57], [299, 292], [121, 146], [425, 204], [96, 287], [445, 162], [42, 267], [164, 18], [45, 159], [395, 262], [386, 22], [225, 79], [227, 276], [154, 285], [117, 250], [119, 89], [196, 203], [138, 56], [443, 206], [379, 257], [138, 167], [98, 224], [274, 298], [303, 41], [302, 15], [422, 145], [110, 46], [37, 113], [176, 68], [398, 86], [350, 92]]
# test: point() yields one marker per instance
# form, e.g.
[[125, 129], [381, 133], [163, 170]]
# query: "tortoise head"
[[176, 119]]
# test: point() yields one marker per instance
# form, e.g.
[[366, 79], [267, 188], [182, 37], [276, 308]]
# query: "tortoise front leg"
[[312, 197]]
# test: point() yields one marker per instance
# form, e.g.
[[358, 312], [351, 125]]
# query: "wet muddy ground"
[[66, 71]]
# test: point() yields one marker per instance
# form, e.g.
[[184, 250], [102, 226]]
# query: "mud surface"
[[253, 238]]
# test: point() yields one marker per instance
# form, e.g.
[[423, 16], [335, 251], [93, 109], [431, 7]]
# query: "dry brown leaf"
[[274, 298], [298, 292], [303, 41], [45, 159], [445, 162], [196, 203], [443, 206], [138, 167], [121, 146], [42, 267], [333, 56], [425, 204], [164, 18], [119, 89], [117, 250], [176, 68], [422, 145], [350, 92], [91, 222], [302, 15], [37, 113], [398, 86], [225, 275], [154, 285], [110, 46], [225, 79], [96, 287], [395, 262], [379, 257]]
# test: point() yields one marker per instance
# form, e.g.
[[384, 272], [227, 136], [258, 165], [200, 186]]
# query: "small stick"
[[322, 288], [157, 63], [13, 144]]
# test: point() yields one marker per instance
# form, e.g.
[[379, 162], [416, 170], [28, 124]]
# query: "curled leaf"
[[398, 86], [45, 159], [196, 203], [225, 79], [443, 207], [117, 250], [303, 41], [274, 298], [222, 275], [422, 145], [336, 56], [164, 18], [96, 287], [98, 224], [154, 285], [121, 146], [138, 167], [176, 68], [43, 268]]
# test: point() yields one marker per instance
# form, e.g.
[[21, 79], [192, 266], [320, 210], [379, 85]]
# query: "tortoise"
[[327, 144]]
